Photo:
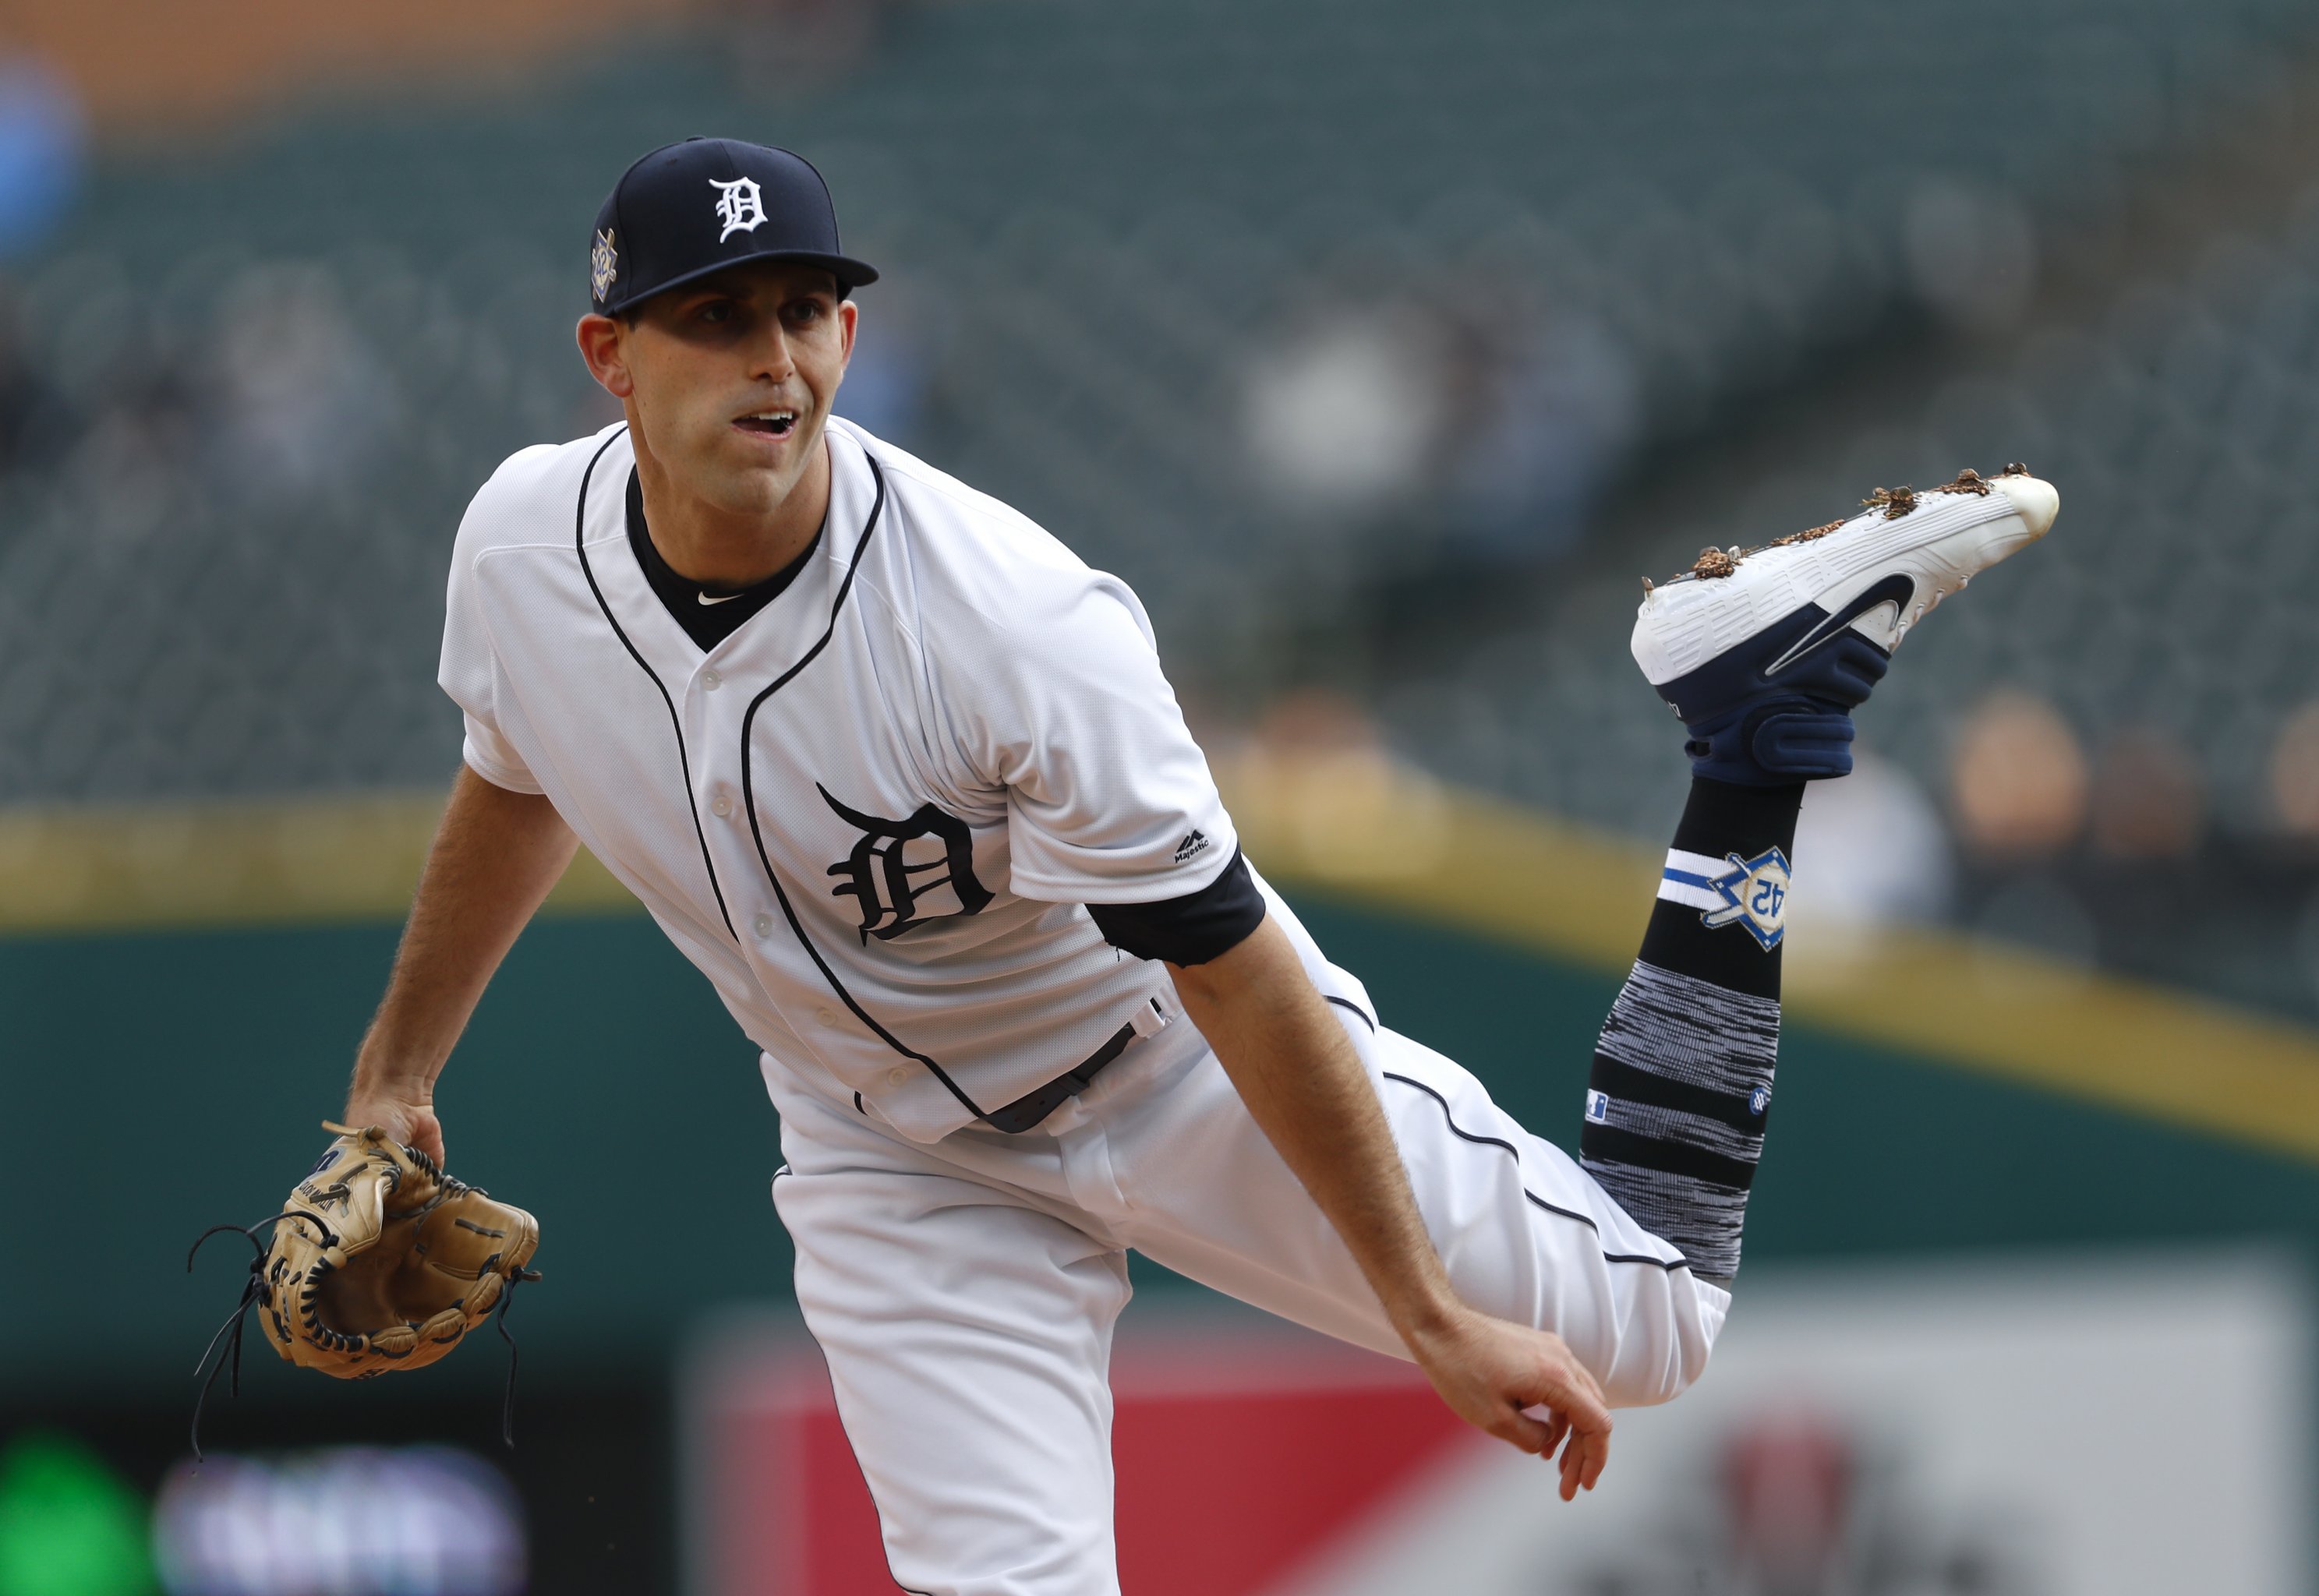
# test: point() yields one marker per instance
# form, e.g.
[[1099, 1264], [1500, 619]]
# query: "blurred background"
[[1383, 349]]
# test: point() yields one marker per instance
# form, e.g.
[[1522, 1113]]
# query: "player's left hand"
[[1495, 1375]]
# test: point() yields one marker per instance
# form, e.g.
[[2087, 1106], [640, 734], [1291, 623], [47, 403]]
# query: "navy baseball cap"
[[687, 210]]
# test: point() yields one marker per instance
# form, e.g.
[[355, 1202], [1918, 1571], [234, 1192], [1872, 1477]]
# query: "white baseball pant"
[[964, 1293]]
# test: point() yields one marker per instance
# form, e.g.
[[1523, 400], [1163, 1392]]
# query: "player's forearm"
[[1306, 1089], [495, 856]]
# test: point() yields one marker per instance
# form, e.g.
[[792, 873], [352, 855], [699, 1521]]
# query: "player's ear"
[[600, 346], [849, 317]]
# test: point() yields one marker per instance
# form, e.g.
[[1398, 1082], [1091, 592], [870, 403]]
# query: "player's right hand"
[[1495, 1374], [413, 1124]]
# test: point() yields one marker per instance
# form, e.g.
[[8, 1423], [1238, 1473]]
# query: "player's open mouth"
[[768, 423]]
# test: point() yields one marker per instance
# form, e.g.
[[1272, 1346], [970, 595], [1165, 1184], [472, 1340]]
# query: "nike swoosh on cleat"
[[1895, 590], [719, 599]]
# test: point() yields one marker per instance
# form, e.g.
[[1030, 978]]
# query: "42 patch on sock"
[[1732, 891]]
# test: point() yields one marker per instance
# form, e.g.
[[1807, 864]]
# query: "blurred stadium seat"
[[2183, 430], [1353, 344], [1098, 218], [2167, 633]]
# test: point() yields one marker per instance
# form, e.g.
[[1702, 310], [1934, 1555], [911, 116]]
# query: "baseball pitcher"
[[905, 779]]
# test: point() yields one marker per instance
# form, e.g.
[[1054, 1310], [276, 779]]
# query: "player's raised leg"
[[1523, 1234], [1625, 1257], [1765, 654]]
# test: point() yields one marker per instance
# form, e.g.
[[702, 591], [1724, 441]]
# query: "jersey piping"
[[756, 832], [1463, 1134], [1669, 1265], [683, 762]]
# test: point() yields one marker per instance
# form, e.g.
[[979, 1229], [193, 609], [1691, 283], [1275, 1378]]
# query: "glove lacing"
[[229, 1334]]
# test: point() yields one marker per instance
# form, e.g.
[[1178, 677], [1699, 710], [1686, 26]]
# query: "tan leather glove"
[[380, 1261]]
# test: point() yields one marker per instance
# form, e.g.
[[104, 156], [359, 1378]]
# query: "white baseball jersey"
[[872, 814]]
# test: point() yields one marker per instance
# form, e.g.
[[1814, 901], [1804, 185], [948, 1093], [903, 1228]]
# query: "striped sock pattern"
[[1676, 1104]]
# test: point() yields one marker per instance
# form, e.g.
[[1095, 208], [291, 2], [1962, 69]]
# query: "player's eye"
[[716, 310]]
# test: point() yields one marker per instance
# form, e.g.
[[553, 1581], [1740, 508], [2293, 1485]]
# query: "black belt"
[[1032, 1106]]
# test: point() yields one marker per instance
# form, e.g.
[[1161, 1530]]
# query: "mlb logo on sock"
[[1759, 1100], [1598, 1108]]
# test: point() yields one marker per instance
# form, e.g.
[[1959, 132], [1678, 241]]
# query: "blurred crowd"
[[1377, 340]]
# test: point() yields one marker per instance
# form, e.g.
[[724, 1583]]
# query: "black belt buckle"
[[1033, 1107]]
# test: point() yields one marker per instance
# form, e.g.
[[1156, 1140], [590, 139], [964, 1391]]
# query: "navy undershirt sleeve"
[[1189, 929]]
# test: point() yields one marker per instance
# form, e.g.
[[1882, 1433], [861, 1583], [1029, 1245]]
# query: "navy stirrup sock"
[[1681, 1087]]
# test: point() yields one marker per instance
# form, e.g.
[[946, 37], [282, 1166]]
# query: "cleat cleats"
[[1764, 652]]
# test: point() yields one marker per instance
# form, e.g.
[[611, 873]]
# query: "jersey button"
[[722, 806], [827, 1016], [898, 1076], [763, 925], [711, 680]]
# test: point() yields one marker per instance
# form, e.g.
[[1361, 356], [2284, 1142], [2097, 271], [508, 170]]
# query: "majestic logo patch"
[[739, 207], [603, 266], [1195, 843], [1754, 894], [900, 865], [1598, 1108]]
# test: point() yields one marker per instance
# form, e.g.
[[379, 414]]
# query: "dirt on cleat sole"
[[1714, 563]]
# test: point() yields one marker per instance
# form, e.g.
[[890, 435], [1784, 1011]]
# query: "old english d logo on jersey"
[[899, 864]]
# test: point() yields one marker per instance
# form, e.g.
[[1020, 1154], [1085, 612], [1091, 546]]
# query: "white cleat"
[[1764, 653]]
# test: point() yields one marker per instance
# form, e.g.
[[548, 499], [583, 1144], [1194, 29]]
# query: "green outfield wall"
[[158, 1082]]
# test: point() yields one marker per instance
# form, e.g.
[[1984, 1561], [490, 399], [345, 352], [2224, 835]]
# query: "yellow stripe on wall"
[[1354, 825], [1349, 823], [290, 862]]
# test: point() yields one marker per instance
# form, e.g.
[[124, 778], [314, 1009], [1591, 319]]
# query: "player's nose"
[[769, 355]]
